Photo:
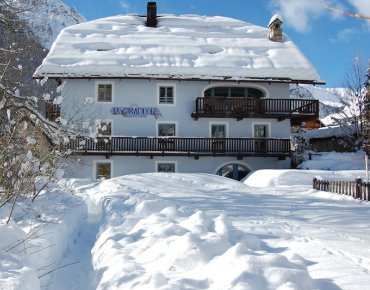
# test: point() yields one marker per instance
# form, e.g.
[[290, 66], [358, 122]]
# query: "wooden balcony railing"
[[176, 146], [240, 108], [52, 111]]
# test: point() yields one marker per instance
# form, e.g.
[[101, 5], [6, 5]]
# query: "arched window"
[[234, 171], [234, 92]]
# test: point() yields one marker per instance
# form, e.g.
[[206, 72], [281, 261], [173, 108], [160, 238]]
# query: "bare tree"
[[366, 144], [31, 147], [352, 118]]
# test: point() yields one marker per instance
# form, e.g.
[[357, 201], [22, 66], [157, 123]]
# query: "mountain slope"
[[331, 99], [47, 18]]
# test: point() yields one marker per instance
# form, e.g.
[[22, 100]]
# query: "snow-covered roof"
[[328, 132], [180, 47]]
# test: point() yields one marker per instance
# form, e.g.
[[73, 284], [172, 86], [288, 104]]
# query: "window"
[[166, 167], [261, 130], [103, 170], [234, 170], [166, 129], [104, 92], [218, 130], [234, 92], [104, 128], [166, 94]]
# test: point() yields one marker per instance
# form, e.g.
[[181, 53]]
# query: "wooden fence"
[[357, 189]]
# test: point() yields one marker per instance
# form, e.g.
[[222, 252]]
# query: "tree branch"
[[344, 12]]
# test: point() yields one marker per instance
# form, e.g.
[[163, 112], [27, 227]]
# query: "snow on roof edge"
[[178, 77]]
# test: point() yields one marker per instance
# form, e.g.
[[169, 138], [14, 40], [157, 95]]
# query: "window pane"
[[101, 93], [166, 129], [218, 131], [103, 170], [104, 92], [169, 92], [162, 92], [255, 93], [108, 92], [166, 167], [260, 131], [221, 92], [208, 93], [237, 92]]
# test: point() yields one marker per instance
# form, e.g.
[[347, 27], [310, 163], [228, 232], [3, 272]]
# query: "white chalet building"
[[180, 93]]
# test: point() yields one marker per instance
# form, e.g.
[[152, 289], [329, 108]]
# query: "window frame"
[[267, 124], [96, 164], [165, 162], [213, 123], [230, 87], [97, 83], [166, 85], [167, 123]]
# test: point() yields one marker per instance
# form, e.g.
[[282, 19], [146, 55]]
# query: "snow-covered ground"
[[191, 231]]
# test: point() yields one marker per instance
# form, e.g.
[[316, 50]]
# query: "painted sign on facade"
[[138, 112]]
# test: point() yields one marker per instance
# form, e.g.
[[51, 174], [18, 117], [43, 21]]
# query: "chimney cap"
[[274, 18]]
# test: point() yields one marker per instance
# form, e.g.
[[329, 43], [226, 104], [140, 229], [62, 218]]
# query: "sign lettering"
[[139, 112]]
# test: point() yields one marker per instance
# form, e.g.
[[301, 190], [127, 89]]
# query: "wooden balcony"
[[296, 109], [52, 111], [176, 146]]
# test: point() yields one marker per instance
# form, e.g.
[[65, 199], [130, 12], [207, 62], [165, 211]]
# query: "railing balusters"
[[181, 146], [244, 108]]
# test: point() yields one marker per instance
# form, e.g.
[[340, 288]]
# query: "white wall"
[[143, 93], [83, 166]]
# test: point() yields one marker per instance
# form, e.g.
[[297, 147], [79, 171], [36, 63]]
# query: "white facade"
[[144, 94], [137, 94]]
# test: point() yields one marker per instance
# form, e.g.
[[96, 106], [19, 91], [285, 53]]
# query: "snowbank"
[[304, 178], [149, 242], [37, 238], [16, 271]]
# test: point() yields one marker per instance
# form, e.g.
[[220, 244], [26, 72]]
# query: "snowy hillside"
[[48, 17], [329, 99]]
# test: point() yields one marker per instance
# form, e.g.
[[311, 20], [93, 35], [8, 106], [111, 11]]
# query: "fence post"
[[357, 187], [314, 183]]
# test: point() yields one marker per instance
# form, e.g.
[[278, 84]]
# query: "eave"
[[180, 78]]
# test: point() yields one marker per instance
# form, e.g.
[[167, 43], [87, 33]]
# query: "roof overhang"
[[182, 78]]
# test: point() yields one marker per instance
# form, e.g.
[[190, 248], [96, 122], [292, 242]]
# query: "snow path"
[[81, 275]]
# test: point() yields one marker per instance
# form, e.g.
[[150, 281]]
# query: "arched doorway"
[[236, 171]]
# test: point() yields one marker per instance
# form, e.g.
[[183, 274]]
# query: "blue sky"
[[329, 40]]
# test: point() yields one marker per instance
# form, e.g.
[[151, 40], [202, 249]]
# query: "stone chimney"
[[151, 16], [276, 32]]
